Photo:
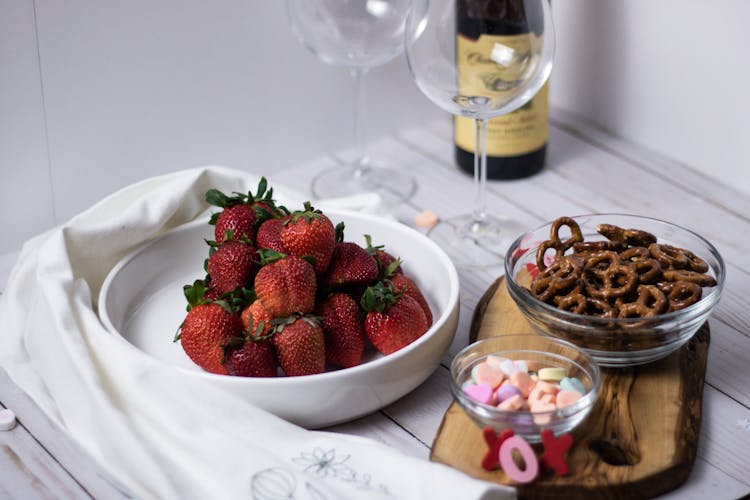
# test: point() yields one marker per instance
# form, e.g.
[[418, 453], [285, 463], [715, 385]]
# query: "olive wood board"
[[639, 440]]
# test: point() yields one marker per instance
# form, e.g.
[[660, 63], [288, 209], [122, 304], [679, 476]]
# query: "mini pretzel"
[[555, 243], [600, 308], [683, 294], [577, 303], [650, 302], [587, 247], [601, 261], [699, 279], [668, 256], [605, 277], [635, 253], [648, 270], [558, 279], [574, 302], [634, 237], [695, 263]]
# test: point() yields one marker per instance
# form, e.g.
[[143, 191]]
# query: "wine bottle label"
[[488, 62]]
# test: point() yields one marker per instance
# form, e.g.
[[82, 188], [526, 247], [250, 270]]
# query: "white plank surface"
[[587, 171]]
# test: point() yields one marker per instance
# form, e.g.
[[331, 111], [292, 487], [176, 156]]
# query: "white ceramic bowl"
[[142, 301]]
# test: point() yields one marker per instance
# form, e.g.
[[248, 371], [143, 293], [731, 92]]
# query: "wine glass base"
[[392, 186], [476, 245]]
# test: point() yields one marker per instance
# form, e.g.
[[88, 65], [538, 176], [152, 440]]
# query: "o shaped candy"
[[505, 456]]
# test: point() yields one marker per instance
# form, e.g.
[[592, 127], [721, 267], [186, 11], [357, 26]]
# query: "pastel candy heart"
[[523, 381], [565, 398], [513, 403], [481, 393], [493, 360], [552, 373], [541, 411], [547, 387], [543, 391], [522, 365], [508, 367], [484, 373], [572, 384], [506, 391]]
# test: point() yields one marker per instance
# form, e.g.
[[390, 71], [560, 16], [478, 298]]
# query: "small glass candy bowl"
[[531, 353], [615, 341]]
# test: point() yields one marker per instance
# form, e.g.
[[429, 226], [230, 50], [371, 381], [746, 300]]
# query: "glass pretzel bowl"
[[615, 342]]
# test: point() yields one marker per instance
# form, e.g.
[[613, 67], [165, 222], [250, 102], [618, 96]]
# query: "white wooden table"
[[587, 171]]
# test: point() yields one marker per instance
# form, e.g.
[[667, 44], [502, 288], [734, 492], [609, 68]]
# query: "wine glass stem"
[[480, 171], [358, 78]]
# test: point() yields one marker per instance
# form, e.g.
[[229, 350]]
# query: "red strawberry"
[[387, 263], [205, 332], [286, 285], [394, 320], [300, 346], [242, 212], [343, 330], [268, 209], [252, 359], [232, 265], [350, 265], [252, 317], [269, 235], [239, 219], [309, 232], [403, 283]]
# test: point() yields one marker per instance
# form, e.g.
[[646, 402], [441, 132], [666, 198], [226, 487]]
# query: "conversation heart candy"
[[481, 393], [552, 373], [484, 373], [572, 384], [508, 367], [495, 360], [506, 391], [513, 403], [7, 420], [522, 365], [541, 411], [523, 381], [565, 398], [547, 387]]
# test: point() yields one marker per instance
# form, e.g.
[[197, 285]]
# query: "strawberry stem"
[[379, 297], [268, 256]]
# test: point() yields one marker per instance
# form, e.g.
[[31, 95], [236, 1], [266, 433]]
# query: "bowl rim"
[[521, 293], [585, 403], [452, 304]]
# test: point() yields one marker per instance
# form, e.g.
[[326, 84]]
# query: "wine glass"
[[358, 35], [480, 59]]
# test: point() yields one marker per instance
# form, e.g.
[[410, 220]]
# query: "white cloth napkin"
[[156, 433]]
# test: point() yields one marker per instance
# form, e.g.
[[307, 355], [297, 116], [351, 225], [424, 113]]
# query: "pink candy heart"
[[481, 393], [487, 374]]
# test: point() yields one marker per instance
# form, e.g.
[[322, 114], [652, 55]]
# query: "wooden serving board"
[[639, 441]]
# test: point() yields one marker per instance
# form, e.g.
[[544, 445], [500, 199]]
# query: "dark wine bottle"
[[516, 142]]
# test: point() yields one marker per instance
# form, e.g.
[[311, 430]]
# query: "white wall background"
[[95, 95], [672, 75]]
